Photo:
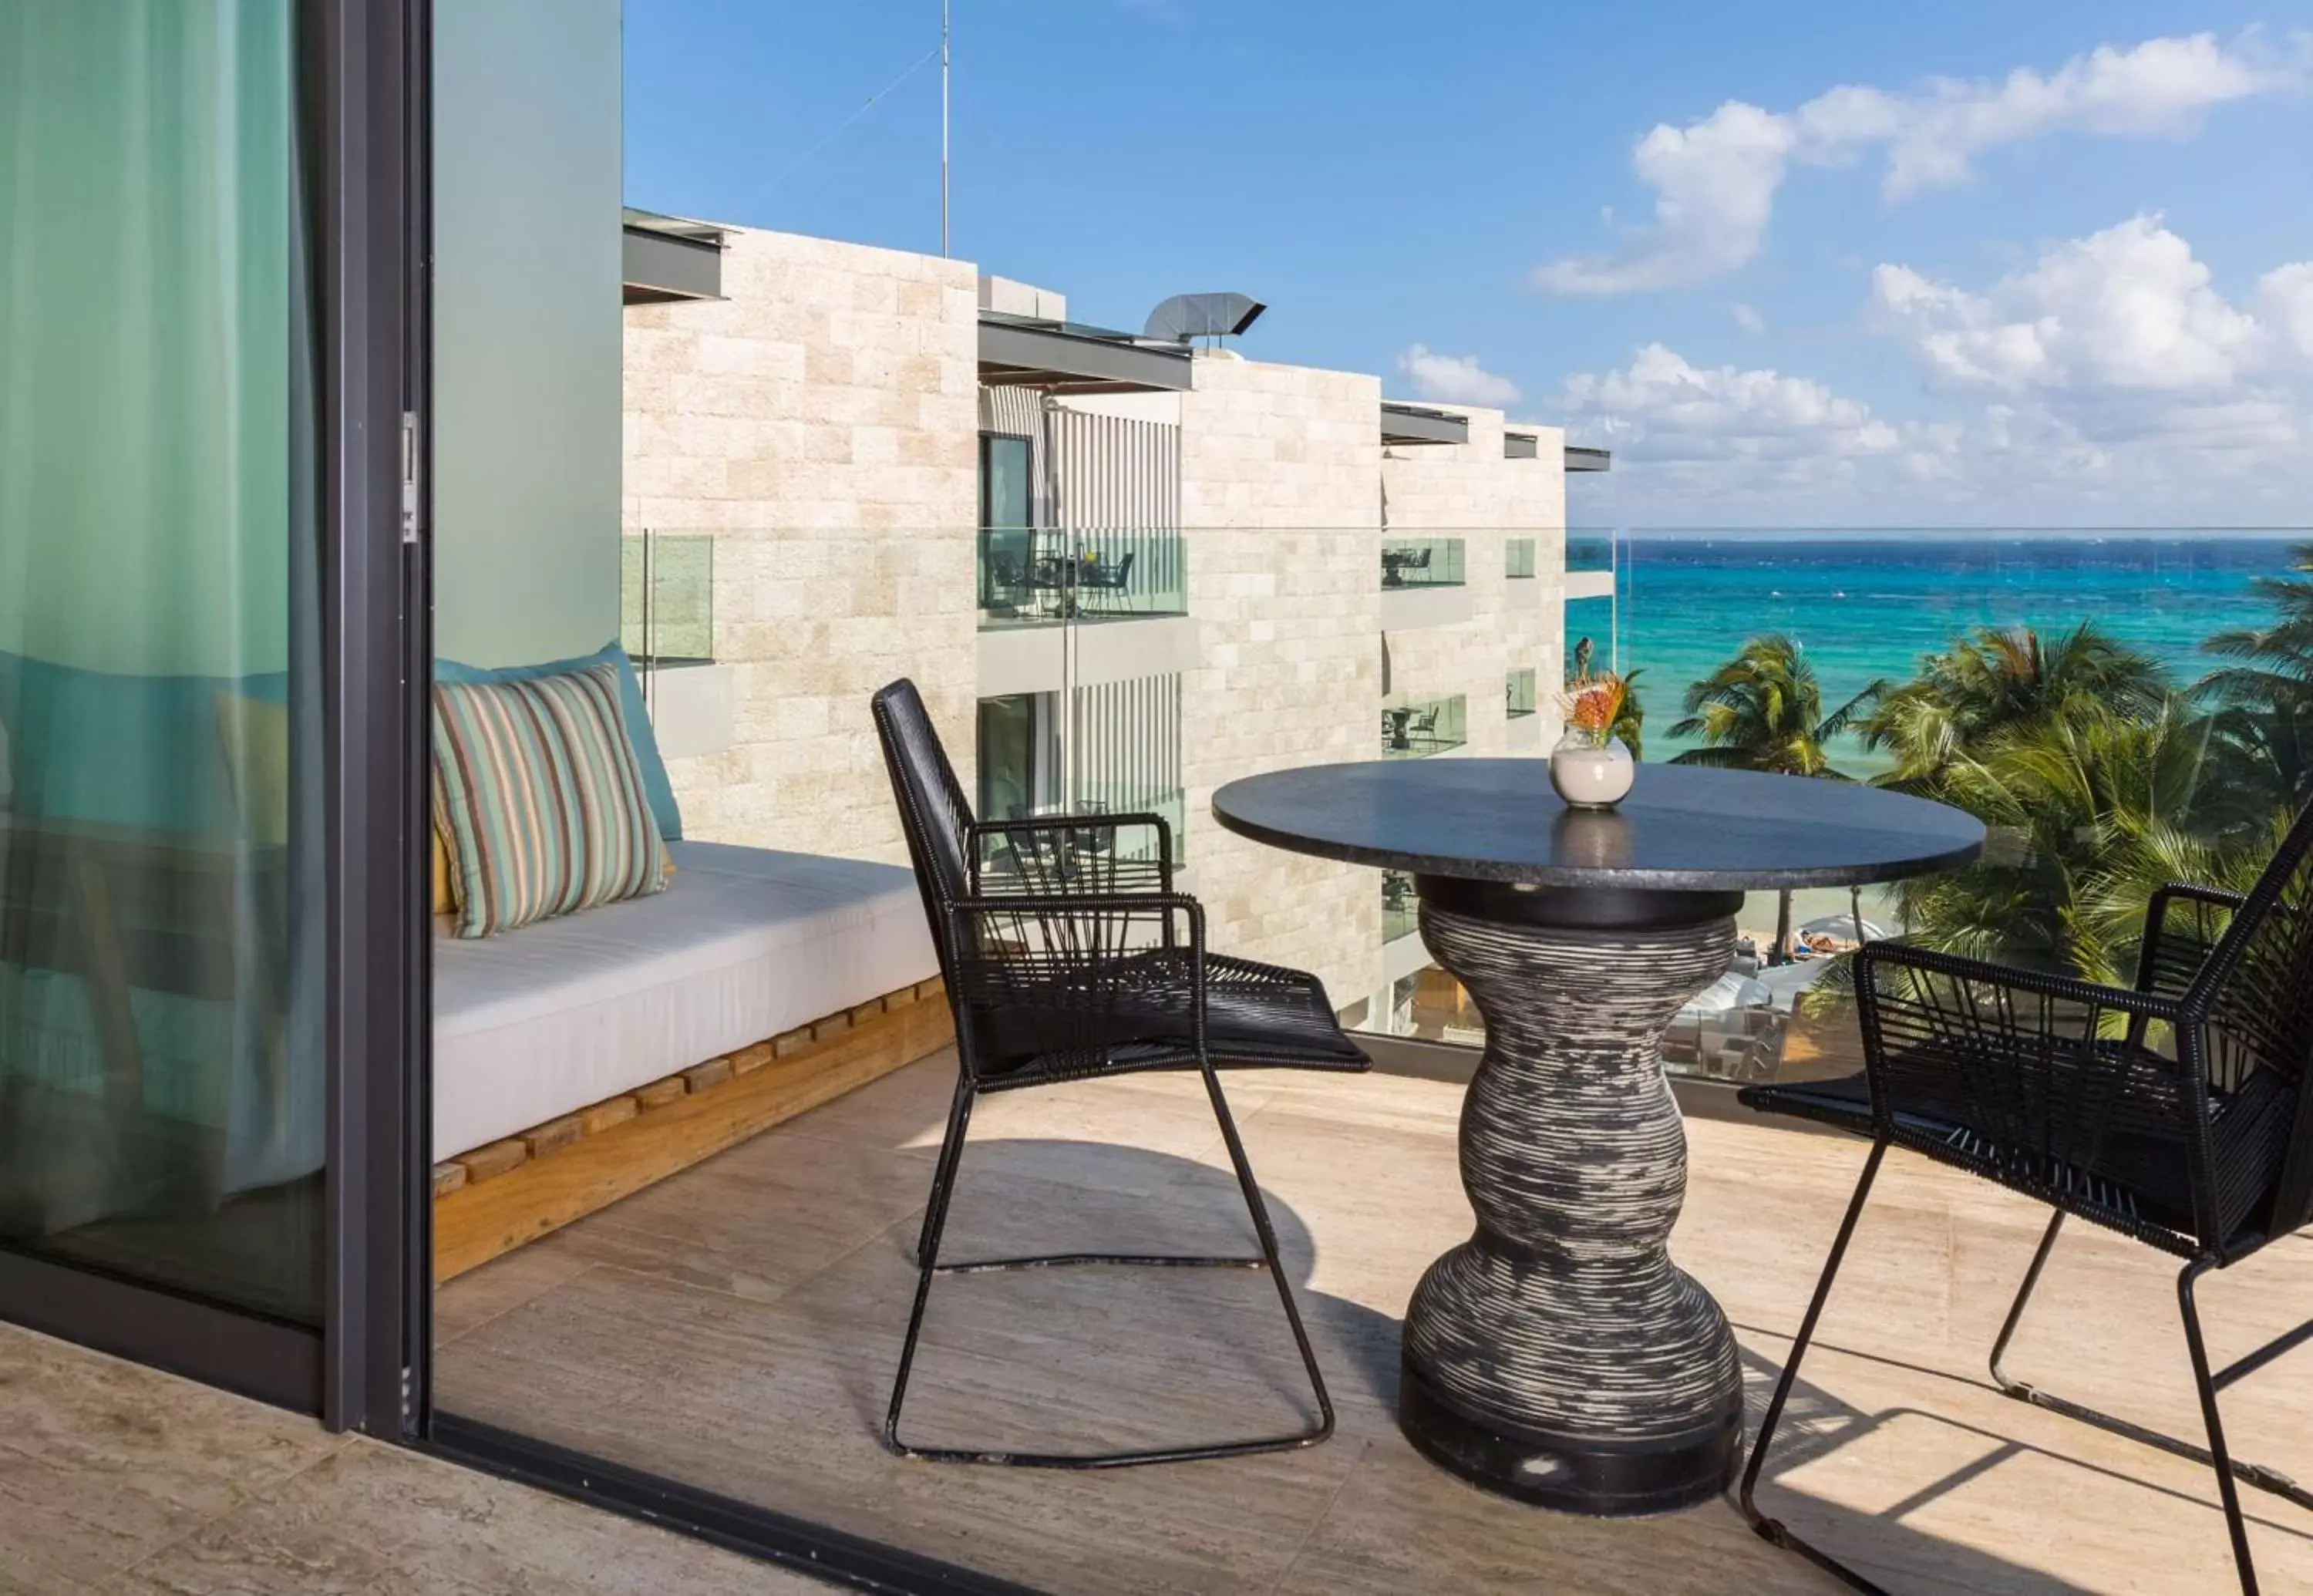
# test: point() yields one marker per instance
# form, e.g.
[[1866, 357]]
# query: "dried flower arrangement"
[[1592, 705]]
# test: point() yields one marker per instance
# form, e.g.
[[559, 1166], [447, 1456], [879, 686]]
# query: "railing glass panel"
[[1589, 552], [1422, 562], [1518, 692], [1929, 612], [666, 596], [1051, 576], [1401, 913], [1517, 558], [1414, 728]]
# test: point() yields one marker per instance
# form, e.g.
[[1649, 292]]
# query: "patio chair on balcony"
[[1105, 583], [1065, 964], [2179, 1112], [1396, 562]]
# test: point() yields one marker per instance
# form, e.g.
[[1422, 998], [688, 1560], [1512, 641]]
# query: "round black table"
[[1558, 1355]]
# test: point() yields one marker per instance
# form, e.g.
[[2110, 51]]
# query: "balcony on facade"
[[1424, 582], [1415, 729], [1049, 576], [666, 624], [1591, 559], [1521, 717]]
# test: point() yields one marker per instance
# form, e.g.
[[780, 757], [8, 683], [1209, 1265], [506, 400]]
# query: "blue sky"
[[2062, 298]]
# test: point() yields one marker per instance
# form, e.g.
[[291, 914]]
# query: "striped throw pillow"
[[537, 791]]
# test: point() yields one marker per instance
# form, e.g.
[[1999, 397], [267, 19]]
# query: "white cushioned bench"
[[744, 944]]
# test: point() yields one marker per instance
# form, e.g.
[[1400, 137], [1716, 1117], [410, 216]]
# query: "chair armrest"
[[1978, 979], [2031, 1059], [2167, 963], [1114, 878]]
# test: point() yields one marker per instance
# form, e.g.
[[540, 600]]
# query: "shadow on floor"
[[737, 1327]]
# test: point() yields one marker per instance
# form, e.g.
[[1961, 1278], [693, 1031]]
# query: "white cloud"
[[1748, 319], [2129, 308], [1455, 379], [1680, 430], [2110, 380], [2122, 340], [2284, 297], [1715, 179], [1714, 184]]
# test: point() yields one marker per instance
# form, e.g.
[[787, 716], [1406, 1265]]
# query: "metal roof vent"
[[1214, 316]]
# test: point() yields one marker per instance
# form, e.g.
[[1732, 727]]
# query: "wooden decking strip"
[[494, 1159], [493, 1199]]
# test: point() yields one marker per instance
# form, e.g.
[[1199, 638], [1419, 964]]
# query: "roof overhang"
[[1416, 424], [1589, 458], [667, 260], [1065, 357], [1521, 446]]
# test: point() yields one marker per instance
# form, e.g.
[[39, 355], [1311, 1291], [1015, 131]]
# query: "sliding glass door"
[[163, 1084]]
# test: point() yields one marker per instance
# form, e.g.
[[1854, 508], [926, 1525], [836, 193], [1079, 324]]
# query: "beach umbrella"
[[1784, 983], [1729, 993]]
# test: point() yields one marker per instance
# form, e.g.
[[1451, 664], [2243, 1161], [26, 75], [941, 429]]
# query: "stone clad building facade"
[[821, 426]]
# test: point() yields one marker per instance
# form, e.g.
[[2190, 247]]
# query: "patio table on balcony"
[[1558, 1355]]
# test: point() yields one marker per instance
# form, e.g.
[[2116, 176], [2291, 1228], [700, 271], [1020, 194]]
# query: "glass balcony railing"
[[1401, 911], [1046, 577], [1517, 558], [1589, 552], [1930, 614], [1419, 727], [1421, 563], [666, 596], [1518, 688]]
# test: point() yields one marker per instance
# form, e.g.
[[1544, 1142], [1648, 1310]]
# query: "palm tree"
[[1997, 679], [2267, 697], [2089, 811], [1630, 724], [1762, 711]]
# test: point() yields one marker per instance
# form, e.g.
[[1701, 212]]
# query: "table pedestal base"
[[1572, 1473], [1558, 1356]]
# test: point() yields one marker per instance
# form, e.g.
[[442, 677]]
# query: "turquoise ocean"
[[1865, 608], [1869, 607]]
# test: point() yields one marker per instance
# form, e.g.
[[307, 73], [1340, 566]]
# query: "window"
[[1518, 690], [1019, 756], [1003, 495]]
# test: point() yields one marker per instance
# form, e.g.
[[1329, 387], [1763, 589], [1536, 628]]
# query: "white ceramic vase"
[[1591, 775]]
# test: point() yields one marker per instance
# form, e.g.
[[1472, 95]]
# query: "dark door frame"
[[371, 163]]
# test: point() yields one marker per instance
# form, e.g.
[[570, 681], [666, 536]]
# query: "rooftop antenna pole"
[[945, 7]]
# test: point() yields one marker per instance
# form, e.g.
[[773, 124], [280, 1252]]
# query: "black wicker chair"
[[1068, 956], [2179, 1112]]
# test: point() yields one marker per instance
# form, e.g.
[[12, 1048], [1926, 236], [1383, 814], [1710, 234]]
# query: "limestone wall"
[[1469, 490], [1279, 495], [821, 422]]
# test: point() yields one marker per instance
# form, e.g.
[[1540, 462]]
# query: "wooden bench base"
[[496, 1198]]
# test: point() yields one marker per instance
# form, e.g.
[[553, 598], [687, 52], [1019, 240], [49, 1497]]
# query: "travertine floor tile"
[[377, 1519], [711, 1341], [117, 1480]]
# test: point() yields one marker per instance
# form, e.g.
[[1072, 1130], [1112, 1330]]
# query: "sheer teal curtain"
[[161, 1087]]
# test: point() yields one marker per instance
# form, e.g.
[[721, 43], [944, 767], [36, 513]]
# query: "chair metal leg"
[[1775, 1531], [951, 1156], [928, 1242], [2201, 1382], [2259, 1475], [1258, 1207], [927, 1265], [2016, 1388]]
